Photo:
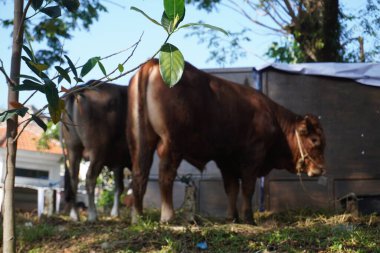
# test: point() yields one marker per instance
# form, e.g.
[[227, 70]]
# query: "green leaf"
[[55, 114], [29, 53], [174, 8], [79, 80], [52, 11], [102, 68], [52, 97], [71, 5], [151, 19], [172, 64], [72, 66], [36, 4], [30, 77], [51, 92], [89, 65], [29, 85], [39, 67], [205, 25], [10, 113], [120, 67], [169, 25], [166, 23], [39, 122], [31, 66], [63, 73]]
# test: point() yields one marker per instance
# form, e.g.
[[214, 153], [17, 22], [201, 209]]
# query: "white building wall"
[[34, 161]]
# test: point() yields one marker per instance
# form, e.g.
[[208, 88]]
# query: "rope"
[[301, 165]]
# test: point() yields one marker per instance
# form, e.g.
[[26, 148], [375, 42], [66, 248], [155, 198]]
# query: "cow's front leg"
[[167, 173], [248, 188], [231, 187], [119, 188]]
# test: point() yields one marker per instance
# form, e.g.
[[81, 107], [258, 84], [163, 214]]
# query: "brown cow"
[[94, 128], [206, 118]]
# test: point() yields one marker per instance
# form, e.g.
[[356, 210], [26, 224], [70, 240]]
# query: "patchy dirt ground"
[[302, 231]]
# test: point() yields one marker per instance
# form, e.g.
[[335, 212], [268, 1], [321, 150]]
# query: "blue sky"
[[120, 28]]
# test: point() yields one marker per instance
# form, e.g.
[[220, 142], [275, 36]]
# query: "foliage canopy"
[[308, 31]]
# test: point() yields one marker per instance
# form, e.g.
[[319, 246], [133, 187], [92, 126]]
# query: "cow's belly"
[[189, 123]]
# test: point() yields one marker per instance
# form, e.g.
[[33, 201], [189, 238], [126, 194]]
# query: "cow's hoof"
[[250, 221], [167, 214], [74, 214], [165, 220], [115, 212], [166, 217], [135, 216], [231, 219], [92, 216], [91, 219], [253, 223]]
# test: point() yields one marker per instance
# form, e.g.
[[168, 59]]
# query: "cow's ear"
[[311, 119]]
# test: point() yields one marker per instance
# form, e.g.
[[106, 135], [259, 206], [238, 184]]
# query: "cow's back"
[[97, 118]]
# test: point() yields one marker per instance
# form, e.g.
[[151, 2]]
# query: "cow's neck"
[[287, 121]]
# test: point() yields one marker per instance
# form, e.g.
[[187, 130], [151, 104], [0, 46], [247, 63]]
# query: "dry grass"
[[297, 231]]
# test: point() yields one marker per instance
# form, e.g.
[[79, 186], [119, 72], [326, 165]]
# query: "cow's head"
[[309, 146]]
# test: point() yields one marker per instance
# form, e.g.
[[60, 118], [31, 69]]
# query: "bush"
[[105, 199]]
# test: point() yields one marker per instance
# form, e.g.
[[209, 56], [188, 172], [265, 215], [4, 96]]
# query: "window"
[[38, 174]]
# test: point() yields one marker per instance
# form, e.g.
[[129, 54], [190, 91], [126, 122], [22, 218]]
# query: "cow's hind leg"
[[118, 174], [75, 156], [231, 187], [141, 137], [140, 176], [167, 173], [92, 174]]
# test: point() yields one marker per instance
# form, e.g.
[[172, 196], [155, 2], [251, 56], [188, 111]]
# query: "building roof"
[[28, 140], [364, 73]]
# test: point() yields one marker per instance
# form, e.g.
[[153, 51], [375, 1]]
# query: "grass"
[[293, 231]]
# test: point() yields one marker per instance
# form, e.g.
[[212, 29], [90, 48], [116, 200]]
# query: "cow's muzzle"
[[306, 163]]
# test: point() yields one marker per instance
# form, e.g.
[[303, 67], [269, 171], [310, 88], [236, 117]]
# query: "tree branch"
[[290, 10], [274, 19], [284, 8], [242, 12], [21, 28], [128, 58], [279, 15], [10, 82], [26, 101]]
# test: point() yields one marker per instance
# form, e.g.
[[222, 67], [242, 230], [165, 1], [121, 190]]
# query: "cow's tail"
[[66, 119], [142, 140]]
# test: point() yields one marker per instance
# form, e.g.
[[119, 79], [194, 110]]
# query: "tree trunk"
[[9, 240], [317, 30], [331, 30]]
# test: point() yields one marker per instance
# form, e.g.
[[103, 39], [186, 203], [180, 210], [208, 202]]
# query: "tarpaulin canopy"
[[364, 73]]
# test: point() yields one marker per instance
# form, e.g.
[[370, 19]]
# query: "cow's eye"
[[315, 141]]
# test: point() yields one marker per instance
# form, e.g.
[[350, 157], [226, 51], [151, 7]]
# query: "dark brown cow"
[[206, 118], [94, 128]]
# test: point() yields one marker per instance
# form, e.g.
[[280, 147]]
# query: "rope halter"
[[301, 164]]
